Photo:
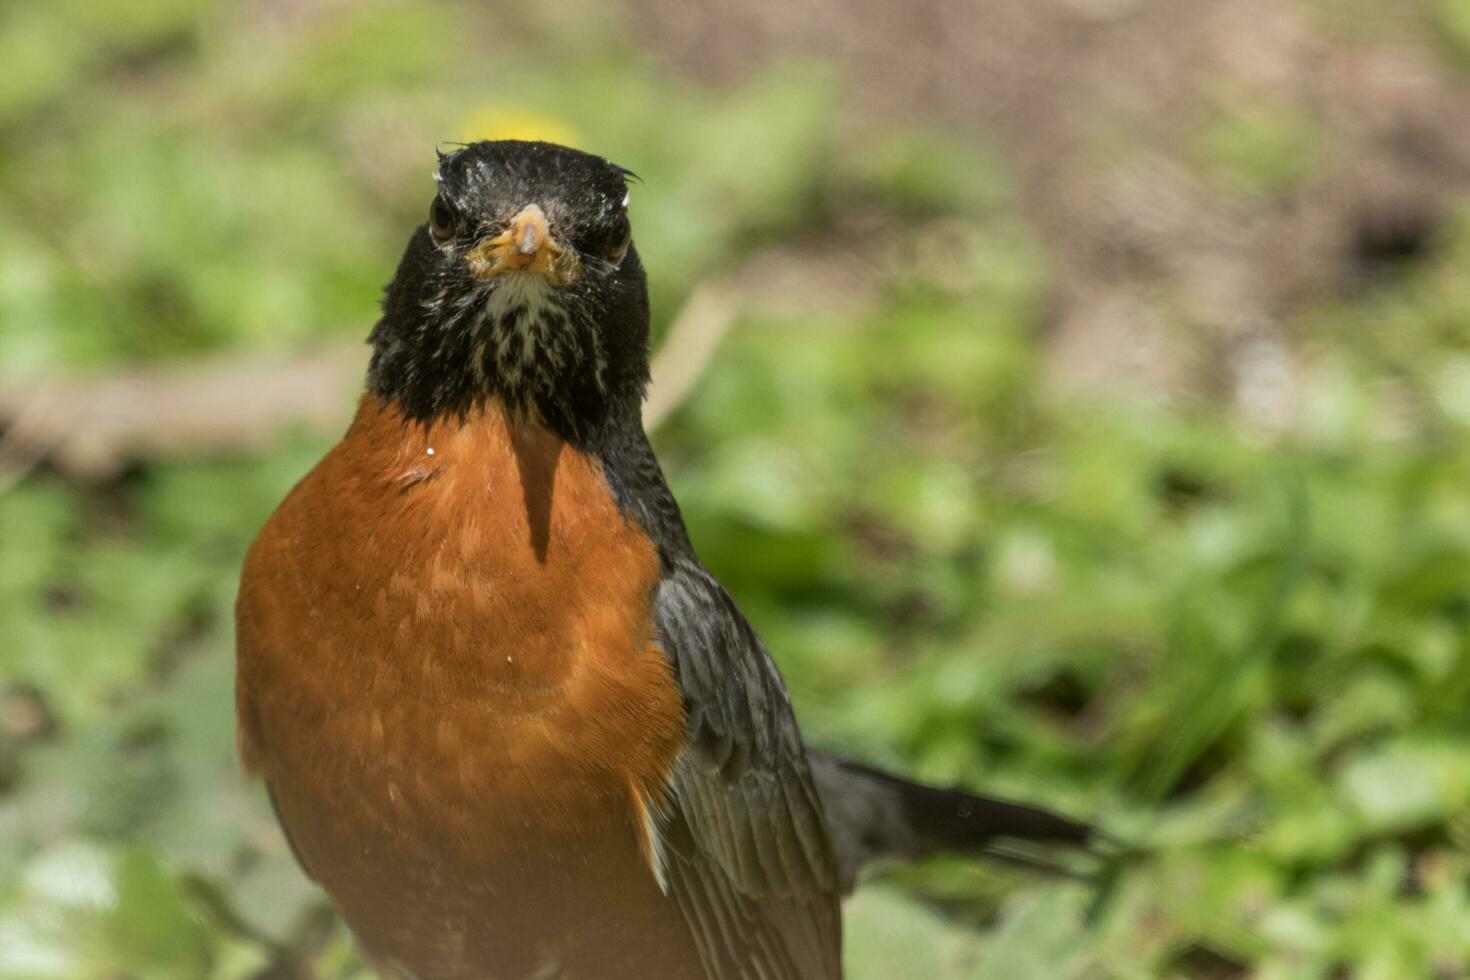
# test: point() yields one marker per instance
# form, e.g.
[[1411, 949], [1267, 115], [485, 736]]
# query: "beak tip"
[[527, 244]]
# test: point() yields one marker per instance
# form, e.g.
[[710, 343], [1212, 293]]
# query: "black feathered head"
[[523, 285]]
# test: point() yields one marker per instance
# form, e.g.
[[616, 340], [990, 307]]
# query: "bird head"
[[522, 285]]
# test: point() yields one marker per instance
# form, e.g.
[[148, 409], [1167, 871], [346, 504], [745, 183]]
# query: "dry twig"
[[91, 428]]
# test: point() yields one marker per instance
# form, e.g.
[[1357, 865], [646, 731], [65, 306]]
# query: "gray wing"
[[747, 856]]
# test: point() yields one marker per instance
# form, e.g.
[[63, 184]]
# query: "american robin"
[[507, 719]]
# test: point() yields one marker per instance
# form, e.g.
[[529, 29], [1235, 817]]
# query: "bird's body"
[[508, 721], [486, 792]]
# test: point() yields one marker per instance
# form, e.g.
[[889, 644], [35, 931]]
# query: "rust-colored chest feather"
[[447, 675]]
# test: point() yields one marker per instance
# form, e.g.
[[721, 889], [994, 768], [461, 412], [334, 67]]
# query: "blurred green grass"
[[1247, 649]]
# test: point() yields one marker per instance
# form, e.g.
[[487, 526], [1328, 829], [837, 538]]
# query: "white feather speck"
[[659, 860]]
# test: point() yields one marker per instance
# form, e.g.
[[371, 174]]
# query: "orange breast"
[[447, 675]]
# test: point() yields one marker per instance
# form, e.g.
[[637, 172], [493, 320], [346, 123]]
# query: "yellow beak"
[[526, 245]]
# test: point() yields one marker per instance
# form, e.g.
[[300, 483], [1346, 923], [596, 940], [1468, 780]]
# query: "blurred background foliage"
[[1224, 608]]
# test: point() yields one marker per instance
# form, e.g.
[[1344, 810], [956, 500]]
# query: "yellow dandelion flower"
[[495, 121]]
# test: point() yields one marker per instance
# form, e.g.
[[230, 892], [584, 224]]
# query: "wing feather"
[[750, 864]]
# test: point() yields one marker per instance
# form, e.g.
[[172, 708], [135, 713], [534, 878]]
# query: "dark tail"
[[873, 815]]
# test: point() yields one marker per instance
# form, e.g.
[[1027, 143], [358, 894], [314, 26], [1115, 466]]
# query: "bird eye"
[[441, 220], [618, 238]]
